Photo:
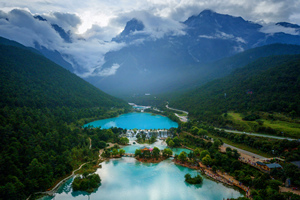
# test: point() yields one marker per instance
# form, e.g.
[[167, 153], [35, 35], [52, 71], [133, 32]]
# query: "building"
[[261, 165], [143, 149], [271, 166], [297, 163]]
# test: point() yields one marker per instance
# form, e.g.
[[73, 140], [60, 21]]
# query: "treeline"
[[269, 84], [286, 148], [42, 110], [37, 148]]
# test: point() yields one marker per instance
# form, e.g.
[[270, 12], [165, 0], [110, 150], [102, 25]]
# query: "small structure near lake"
[[143, 149], [268, 167]]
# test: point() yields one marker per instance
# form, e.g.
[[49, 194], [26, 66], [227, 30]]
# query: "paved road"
[[182, 118], [257, 134], [239, 132], [233, 147], [167, 106], [244, 151]]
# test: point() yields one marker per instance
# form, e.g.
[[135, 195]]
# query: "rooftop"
[[260, 163], [273, 165], [297, 163]]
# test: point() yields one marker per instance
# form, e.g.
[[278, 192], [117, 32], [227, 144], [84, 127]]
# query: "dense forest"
[[269, 84], [42, 109]]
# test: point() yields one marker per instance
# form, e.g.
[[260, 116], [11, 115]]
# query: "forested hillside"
[[28, 79], [225, 66], [270, 84], [42, 108]]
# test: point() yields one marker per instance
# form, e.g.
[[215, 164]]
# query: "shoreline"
[[217, 177], [56, 186]]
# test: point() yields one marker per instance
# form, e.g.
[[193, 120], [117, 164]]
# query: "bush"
[[193, 180], [87, 183]]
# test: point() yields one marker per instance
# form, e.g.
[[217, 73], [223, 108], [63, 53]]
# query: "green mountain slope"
[[269, 84], [223, 67], [28, 79], [42, 109]]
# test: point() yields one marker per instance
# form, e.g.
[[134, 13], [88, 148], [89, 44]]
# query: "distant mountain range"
[[150, 65], [173, 62]]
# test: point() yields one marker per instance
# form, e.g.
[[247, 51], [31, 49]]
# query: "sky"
[[93, 23]]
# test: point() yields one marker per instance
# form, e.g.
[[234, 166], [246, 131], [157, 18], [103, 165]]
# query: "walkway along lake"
[[127, 178]]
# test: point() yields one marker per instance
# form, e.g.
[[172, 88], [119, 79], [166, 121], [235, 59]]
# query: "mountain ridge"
[[209, 37], [273, 83]]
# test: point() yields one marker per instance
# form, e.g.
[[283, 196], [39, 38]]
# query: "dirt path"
[[102, 150], [284, 189]]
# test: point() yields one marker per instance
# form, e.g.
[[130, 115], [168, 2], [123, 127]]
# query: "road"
[[256, 134], [182, 118], [232, 131], [245, 152], [107, 147], [241, 151], [167, 106]]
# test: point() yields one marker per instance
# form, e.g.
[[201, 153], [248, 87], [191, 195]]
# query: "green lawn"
[[240, 124], [289, 128], [182, 114]]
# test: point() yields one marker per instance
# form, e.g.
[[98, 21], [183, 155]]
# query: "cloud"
[[273, 28], [67, 21], [155, 26], [223, 36], [93, 24], [86, 55], [109, 71], [101, 12], [23, 28]]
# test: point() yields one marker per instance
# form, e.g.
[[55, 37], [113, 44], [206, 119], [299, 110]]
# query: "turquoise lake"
[[126, 178], [135, 120]]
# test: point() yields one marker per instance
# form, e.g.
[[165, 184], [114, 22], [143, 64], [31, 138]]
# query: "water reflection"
[[130, 179], [126, 178]]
